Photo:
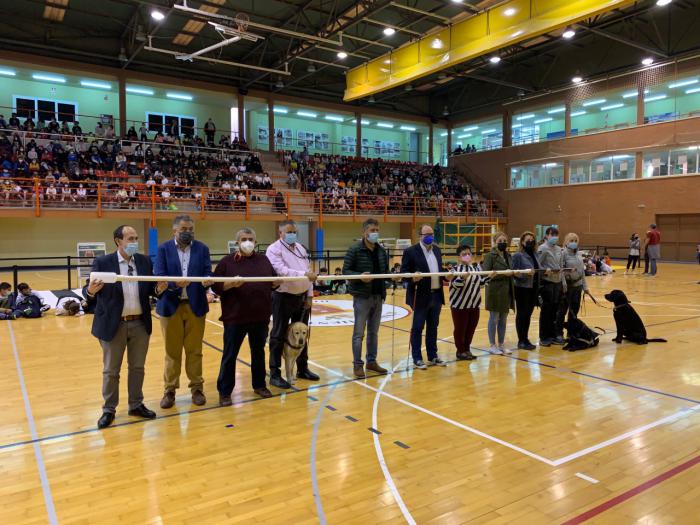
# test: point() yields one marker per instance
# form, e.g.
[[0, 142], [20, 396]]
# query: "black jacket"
[[413, 260], [109, 302], [358, 259]]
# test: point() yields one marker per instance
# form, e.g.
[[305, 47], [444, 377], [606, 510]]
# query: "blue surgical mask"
[[373, 237], [290, 238], [428, 240], [131, 248], [572, 245], [552, 241]]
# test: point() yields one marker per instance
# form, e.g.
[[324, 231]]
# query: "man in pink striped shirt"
[[291, 302]]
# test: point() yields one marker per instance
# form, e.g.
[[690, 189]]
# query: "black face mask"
[[502, 246], [186, 237], [530, 246]]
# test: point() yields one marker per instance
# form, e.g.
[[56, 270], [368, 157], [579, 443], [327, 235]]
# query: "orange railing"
[[111, 193]]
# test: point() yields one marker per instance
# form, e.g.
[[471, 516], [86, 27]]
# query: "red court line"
[[632, 492]]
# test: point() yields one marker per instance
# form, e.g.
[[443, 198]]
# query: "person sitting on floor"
[[25, 303]]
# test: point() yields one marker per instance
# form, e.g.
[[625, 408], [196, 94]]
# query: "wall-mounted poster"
[[284, 137], [321, 141], [305, 139], [396, 153], [347, 144], [365, 147], [262, 134], [87, 251]]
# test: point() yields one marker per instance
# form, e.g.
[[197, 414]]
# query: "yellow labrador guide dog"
[[293, 345]]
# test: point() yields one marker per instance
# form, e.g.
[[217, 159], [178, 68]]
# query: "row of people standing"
[[556, 284]]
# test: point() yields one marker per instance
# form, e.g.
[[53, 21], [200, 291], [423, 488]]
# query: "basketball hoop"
[[241, 20]]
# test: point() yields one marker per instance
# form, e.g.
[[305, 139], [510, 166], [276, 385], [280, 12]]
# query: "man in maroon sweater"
[[245, 310]]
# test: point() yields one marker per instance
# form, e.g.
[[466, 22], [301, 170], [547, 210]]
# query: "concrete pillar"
[[271, 125], [241, 118], [121, 131], [431, 131], [358, 134]]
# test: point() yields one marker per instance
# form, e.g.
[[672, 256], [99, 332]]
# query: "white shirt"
[[432, 266], [132, 304], [184, 256]]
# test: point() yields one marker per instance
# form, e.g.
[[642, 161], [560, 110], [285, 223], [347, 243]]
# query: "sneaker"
[[374, 367], [504, 350], [168, 399], [225, 401], [495, 350], [437, 362], [465, 356], [559, 340], [527, 345], [420, 364], [545, 342], [359, 371], [198, 398]]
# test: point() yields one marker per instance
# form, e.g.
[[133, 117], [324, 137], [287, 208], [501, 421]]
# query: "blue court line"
[[401, 444], [312, 459], [45, 487]]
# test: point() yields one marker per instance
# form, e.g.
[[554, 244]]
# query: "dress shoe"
[[279, 382], [142, 411], [559, 340], [225, 401], [263, 392], [527, 345], [168, 399], [105, 420], [465, 356], [545, 342], [374, 366], [359, 371], [308, 375], [198, 398]]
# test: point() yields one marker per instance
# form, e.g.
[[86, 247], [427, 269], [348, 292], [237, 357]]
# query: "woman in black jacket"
[[526, 288]]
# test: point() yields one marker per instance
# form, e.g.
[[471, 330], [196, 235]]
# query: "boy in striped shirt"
[[465, 300]]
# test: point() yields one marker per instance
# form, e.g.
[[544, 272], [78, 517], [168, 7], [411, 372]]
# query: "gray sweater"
[[550, 258], [576, 277]]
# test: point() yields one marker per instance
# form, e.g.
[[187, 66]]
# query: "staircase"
[[299, 203]]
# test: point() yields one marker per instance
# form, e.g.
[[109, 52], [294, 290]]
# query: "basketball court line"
[[39, 457], [312, 457]]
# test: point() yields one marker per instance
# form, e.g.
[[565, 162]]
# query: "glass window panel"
[[684, 161], [172, 125], [601, 169], [604, 111], [47, 110], [66, 112], [540, 124], [26, 108], [155, 122], [479, 135], [536, 175], [579, 171], [187, 125], [623, 166], [655, 164]]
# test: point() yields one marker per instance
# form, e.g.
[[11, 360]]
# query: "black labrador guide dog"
[[627, 321]]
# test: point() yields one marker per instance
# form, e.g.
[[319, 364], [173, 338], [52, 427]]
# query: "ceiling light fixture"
[[96, 85], [647, 61], [311, 68], [48, 78], [157, 15], [279, 84], [662, 3], [407, 128], [342, 55], [445, 112], [306, 114], [577, 79], [139, 91], [569, 33], [179, 96], [388, 31], [510, 11], [495, 59]]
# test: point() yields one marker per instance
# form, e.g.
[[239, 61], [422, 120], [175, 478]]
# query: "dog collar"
[[618, 307], [295, 347]]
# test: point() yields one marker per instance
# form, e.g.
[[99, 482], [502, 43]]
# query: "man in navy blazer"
[[183, 308], [123, 322], [424, 295]]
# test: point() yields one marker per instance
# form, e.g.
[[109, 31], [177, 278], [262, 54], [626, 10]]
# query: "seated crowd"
[[376, 184]]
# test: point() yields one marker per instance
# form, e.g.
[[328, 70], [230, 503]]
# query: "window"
[[604, 111], [539, 124], [655, 164], [684, 161], [171, 124], [537, 175], [615, 167], [45, 110], [482, 135]]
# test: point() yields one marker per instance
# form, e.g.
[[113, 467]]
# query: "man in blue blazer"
[[123, 322], [183, 308], [424, 295]]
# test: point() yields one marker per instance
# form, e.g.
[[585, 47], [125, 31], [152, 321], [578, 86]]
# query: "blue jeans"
[[497, 320], [368, 312], [652, 263], [428, 316]]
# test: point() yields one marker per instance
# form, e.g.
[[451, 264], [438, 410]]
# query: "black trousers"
[[570, 303], [525, 301], [234, 334], [551, 295], [632, 260], [286, 308]]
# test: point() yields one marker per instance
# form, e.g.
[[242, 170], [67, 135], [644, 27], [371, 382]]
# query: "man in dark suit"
[[183, 308], [123, 322], [424, 295]]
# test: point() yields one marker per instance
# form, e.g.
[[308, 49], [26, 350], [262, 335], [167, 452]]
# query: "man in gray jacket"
[[550, 258]]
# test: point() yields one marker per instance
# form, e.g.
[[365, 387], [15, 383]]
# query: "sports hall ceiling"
[[116, 33]]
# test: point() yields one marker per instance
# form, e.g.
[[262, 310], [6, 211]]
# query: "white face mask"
[[247, 247]]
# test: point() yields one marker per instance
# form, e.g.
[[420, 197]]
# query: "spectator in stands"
[[77, 130], [3, 122], [131, 134], [14, 122], [210, 131], [526, 288], [320, 286], [99, 131], [633, 257], [143, 132], [500, 296]]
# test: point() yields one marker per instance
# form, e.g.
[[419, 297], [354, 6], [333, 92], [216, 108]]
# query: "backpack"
[[580, 336]]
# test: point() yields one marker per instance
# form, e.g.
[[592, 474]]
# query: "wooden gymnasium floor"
[[609, 434]]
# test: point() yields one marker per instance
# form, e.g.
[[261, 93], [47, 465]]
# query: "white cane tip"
[[105, 277]]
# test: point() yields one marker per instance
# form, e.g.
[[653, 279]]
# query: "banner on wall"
[[262, 134], [87, 251], [232, 246], [347, 144], [284, 137]]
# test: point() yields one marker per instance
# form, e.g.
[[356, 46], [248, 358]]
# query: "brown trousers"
[[183, 329]]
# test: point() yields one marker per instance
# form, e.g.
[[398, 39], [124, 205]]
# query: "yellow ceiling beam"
[[507, 24]]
